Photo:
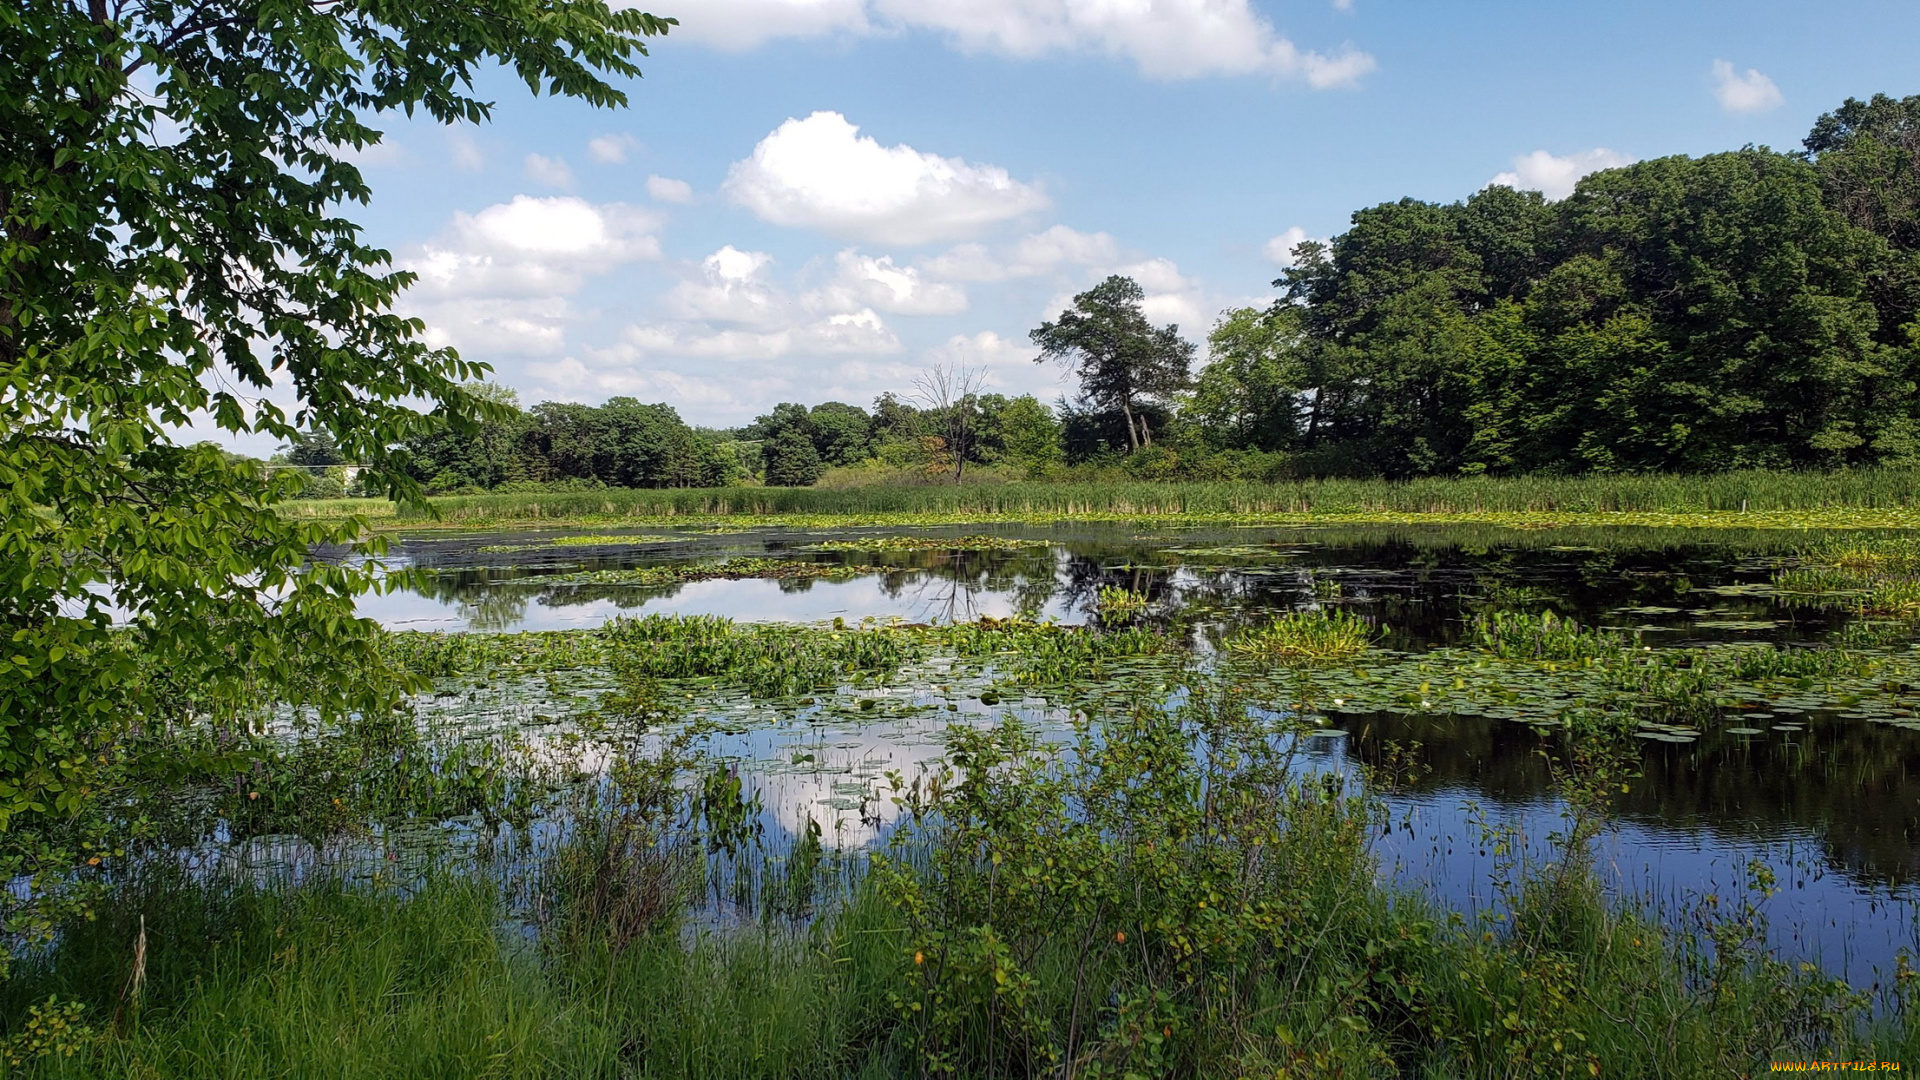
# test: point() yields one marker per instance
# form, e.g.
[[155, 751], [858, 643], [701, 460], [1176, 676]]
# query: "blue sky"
[[814, 199]]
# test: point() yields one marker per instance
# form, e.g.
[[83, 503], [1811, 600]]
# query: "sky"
[[811, 200]]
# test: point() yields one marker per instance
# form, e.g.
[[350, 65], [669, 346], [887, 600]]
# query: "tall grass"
[[1754, 490]]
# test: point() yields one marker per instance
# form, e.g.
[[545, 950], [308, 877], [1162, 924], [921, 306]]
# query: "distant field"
[[1879, 498]]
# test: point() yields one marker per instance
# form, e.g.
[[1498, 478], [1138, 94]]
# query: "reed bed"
[[1730, 492]]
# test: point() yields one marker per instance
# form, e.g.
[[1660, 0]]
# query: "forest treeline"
[[1748, 309]]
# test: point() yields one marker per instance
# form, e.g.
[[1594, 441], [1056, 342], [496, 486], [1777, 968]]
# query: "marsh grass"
[[1868, 576], [1322, 634], [1728, 492]]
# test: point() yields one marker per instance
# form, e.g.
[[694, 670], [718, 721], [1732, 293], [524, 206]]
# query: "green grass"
[[1161, 897], [1783, 498]]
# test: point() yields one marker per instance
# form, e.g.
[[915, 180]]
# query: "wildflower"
[[1120, 936], [919, 958], [251, 795]]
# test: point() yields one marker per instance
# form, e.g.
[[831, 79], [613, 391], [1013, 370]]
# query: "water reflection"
[[1834, 808]]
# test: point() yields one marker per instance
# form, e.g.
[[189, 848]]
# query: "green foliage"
[[1513, 635], [171, 246], [1119, 357], [789, 459], [1115, 606], [1320, 634], [622, 443]]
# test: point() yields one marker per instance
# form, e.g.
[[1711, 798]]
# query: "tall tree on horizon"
[[1119, 356]]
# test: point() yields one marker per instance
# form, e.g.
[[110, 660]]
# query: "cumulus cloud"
[[1555, 176], [1164, 39], [821, 173], [1056, 248], [663, 189], [551, 172], [611, 149], [1751, 92], [863, 280], [1279, 250], [498, 280], [731, 310]]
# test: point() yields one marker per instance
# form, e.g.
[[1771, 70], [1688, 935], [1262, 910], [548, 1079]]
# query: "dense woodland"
[[1749, 309]]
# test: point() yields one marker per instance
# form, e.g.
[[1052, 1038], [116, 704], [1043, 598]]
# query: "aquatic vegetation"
[[1515, 636], [1166, 893], [883, 544], [679, 573], [590, 540], [1322, 634], [1115, 606], [1871, 577]]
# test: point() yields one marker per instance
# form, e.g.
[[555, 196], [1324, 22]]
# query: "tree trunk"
[[1133, 443]]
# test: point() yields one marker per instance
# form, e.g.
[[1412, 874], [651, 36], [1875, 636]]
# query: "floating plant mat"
[[1712, 685], [580, 541], [729, 570], [882, 544], [1232, 551]]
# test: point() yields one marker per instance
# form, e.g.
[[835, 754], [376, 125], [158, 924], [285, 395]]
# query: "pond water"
[[1833, 807]]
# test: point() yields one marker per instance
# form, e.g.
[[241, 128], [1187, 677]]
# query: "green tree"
[[841, 433], [1120, 358], [1249, 395], [171, 245], [790, 459], [308, 450]]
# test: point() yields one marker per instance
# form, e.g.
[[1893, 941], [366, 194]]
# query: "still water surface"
[[1834, 809]]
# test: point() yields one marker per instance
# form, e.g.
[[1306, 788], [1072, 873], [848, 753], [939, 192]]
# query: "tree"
[[1019, 431], [790, 459], [841, 433], [1248, 397], [171, 246], [318, 449], [1119, 357], [950, 408]]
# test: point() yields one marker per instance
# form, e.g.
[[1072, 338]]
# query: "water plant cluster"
[[975, 542], [1317, 634], [1878, 577]]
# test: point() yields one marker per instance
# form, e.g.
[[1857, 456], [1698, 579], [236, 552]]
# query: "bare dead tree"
[[949, 397]]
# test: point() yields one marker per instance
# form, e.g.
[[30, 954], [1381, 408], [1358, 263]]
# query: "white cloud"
[[552, 172], [879, 283], [732, 289], [1343, 5], [1061, 245], [611, 149], [1055, 248], [1555, 176], [663, 189], [1748, 93], [464, 152], [1279, 250], [1164, 39], [498, 280], [985, 349], [821, 173]]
